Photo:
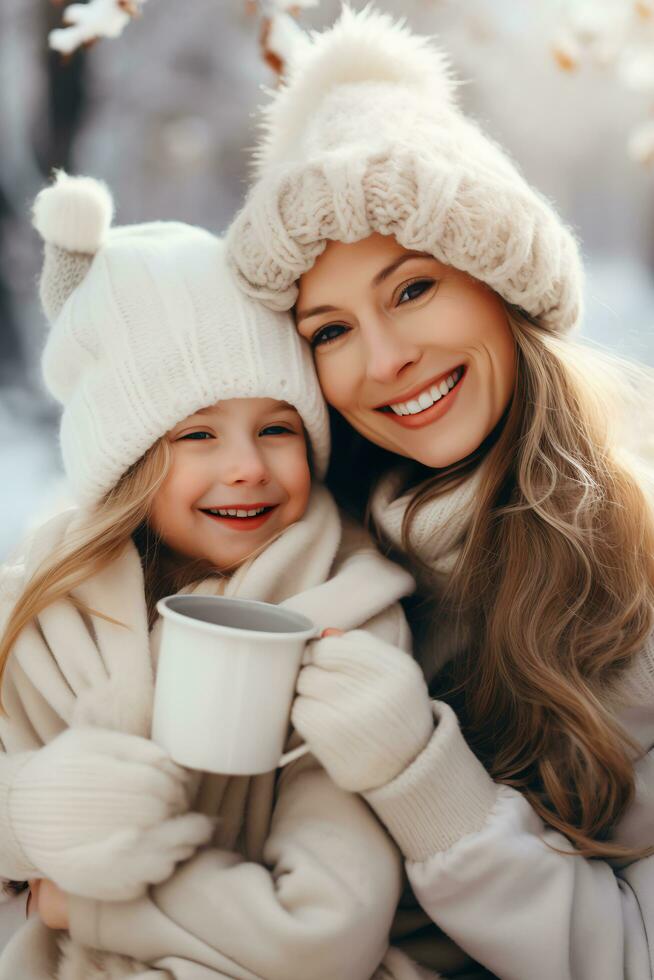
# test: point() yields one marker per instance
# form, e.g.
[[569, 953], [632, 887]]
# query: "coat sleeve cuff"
[[442, 796]]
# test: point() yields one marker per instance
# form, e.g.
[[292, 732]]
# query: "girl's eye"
[[276, 430], [195, 436], [326, 334], [414, 290]]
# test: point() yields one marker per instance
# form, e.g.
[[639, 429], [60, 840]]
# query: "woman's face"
[[416, 355]]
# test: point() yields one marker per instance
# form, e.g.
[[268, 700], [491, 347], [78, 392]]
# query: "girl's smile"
[[237, 466], [240, 517]]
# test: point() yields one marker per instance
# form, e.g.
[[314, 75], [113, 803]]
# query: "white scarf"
[[438, 527]]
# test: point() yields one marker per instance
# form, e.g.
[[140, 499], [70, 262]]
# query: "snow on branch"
[[616, 36], [280, 33], [84, 23]]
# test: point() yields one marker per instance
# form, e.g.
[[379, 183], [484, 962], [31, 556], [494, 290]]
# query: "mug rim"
[[165, 611]]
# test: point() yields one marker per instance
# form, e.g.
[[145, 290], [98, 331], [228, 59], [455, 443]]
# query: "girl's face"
[[239, 476], [416, 355]]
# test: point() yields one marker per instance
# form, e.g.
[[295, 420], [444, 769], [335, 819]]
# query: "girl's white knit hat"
[[366, 136], [147, 327]]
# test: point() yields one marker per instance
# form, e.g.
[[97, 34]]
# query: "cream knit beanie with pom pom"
[[148, 326], [366, 136]]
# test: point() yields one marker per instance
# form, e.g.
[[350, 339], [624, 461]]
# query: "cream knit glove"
[[363, 708], [103, 814]]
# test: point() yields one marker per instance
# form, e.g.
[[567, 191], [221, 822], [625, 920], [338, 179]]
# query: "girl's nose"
[[245, 466]]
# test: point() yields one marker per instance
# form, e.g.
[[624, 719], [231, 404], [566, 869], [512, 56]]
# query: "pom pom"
[[362, 46], [75, 213]]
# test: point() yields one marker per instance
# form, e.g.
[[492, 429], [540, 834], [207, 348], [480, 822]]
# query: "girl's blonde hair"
[[555, 584], [97, 541]]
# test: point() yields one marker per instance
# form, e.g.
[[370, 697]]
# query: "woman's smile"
[[430, 403], [417, 356]]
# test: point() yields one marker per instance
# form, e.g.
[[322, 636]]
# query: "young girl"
[[438, 291], [192, 425]]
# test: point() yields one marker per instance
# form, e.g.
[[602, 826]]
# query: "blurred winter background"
[[164, 114]]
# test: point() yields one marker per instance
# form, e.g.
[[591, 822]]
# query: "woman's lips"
[[242, 523], [428, 415]]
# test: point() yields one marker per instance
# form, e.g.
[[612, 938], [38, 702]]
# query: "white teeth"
[[427, 398], [225, 512]]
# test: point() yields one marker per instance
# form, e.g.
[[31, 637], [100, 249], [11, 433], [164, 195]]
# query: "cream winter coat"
[[300, 879], [483, 865]]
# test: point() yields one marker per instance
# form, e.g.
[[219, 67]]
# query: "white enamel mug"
[[225, 682]]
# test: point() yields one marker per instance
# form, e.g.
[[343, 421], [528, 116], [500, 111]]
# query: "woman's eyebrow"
[[313, 311], [376, 281], [389, 269]]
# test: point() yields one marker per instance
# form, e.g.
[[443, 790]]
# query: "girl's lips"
[[241, 523], [429, 415]]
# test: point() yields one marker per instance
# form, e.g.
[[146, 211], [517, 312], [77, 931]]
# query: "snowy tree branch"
[[86, 22]]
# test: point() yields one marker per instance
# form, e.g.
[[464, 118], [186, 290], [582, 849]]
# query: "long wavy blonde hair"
[[556, 585], [98, 540]]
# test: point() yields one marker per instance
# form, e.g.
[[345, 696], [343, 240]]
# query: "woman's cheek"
[[337, 381]]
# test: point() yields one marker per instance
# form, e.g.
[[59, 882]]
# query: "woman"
[[438, 291]]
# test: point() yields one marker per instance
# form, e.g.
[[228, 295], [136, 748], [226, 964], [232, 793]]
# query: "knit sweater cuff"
[[14, 863], [441, 797]]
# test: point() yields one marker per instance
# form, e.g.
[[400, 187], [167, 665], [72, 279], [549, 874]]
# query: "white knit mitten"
[[363, 708], [103, 814]]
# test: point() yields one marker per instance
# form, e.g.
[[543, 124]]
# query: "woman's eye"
[[414, 290], [276, 430], [327, 333], [195, 436]]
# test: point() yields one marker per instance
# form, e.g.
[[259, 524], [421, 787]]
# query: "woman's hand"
[[49, 902], [362, 707]]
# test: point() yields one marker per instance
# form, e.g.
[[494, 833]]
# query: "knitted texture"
[[134, 833], [366, 137], [62, 273], [443, 795], [150, 329], [437, 528], [363, 708]]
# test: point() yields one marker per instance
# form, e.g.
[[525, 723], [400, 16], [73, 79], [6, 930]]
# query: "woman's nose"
[[388, 353]]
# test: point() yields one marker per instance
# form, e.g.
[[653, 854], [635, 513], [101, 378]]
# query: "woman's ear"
[[73, 217]]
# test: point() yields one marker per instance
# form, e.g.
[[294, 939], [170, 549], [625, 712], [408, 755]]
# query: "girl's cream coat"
[[301, 881]]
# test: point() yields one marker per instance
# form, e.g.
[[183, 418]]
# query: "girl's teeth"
[[427, 398], [220, 512]]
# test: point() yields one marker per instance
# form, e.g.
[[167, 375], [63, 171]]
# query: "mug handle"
[[294, 754]]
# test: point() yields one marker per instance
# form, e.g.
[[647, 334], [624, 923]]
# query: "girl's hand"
[[330, 631], [112, 814], [49, 902], [363, 708]]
